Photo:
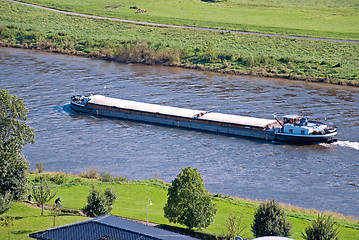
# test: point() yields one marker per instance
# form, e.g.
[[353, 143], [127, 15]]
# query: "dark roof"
[[108, 227]]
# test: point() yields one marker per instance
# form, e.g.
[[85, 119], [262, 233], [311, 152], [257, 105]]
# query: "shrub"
[[91, 173], [234, 226], [2, 28], [5, 202], [58, 178], [107, 177], [40, 167], [270, 220], [41, 177], [321, 229], [70, 211], [99, 203], [120, 179]]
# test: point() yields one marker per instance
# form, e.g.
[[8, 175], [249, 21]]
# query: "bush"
[[270, 220], [99, 203], [70, 211], [40, 167], [107, 177], [41, 177], [5, 202], [234, 226], [91, 173], [58, 178], [2, 28], [321, 229]]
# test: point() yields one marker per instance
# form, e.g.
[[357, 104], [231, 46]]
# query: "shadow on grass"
[[188, 232], [211, 1], [21, 232]]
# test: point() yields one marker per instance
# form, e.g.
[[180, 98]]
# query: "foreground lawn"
[[330, 19], [28, 219], [321, 61], [132, 203]]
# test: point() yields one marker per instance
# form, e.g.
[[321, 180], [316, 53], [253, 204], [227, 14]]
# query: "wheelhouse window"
[[302, 131], [290, 130]]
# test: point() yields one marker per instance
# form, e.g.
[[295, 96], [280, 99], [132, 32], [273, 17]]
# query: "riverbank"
[[131, 203], [224, 52]]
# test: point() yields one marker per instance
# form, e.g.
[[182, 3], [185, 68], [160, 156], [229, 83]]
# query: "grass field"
[[328, 19], [321, 61], [132, 203]]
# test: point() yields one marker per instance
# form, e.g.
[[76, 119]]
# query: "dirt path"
[[48, 207], [183, 27]]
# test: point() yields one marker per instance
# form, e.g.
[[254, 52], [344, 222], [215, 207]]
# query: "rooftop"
[[108, 227]]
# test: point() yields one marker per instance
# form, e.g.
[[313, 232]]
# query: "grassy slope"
[[131, 203], [248, 54], [331, 19]]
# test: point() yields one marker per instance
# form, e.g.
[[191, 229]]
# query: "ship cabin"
[[295, 124], [80, 100]]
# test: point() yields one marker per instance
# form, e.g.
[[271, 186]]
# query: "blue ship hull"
[[198, 124]]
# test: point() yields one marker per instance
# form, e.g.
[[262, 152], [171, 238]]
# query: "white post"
[[149, 203]]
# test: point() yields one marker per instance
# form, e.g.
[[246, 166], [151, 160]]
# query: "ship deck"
[[181, 112]]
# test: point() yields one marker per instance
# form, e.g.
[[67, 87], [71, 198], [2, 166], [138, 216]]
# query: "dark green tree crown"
[[188, 202]]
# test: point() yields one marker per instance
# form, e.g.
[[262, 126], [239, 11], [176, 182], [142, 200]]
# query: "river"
[[324, 176]]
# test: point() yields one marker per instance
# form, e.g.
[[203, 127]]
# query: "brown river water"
[[323, 176]]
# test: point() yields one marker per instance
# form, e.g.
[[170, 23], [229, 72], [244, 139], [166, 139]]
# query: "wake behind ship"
[[292, 129]]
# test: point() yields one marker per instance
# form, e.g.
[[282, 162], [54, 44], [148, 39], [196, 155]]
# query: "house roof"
[[108, 227]]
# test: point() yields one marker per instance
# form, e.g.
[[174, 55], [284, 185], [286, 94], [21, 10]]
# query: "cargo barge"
[[292, 129]]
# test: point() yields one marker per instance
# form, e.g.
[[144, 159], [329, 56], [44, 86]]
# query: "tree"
[[42, 193], [14, 133], [5, 202], [188, 202], [270, 220], [99, 203], [55, 212], [321, 229], [8, 222], [234, 226]]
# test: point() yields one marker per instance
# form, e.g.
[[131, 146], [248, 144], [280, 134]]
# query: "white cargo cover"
[[145, 107], [180, 112], [236, 119]]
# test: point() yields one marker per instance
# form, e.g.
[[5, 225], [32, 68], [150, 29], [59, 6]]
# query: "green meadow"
[[132, 203], [328, 19]]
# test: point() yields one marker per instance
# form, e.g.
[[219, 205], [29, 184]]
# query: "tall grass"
[[321, 61]]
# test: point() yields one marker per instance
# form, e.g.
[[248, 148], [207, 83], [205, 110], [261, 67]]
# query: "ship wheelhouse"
[[296, 124]]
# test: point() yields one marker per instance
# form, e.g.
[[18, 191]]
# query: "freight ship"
[[292, 129]]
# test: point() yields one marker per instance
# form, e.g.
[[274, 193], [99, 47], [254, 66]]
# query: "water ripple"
[[316, 176]]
